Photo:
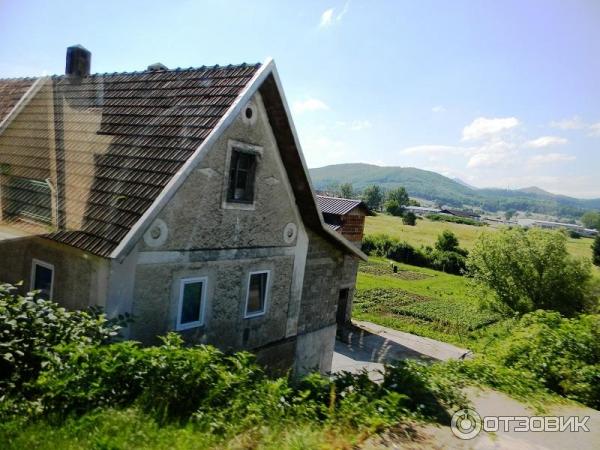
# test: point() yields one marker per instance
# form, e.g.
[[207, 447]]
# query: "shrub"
[[31, 328], [409, 218], [394, 208], [596, 251], [523, 271]]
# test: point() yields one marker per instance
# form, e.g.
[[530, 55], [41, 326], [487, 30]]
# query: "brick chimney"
[[79, 61]]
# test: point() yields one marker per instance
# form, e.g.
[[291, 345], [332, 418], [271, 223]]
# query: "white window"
[[42, 278], [192, 301], [256, 297]]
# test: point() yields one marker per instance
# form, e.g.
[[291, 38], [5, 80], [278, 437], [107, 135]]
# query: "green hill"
[[435, 187]]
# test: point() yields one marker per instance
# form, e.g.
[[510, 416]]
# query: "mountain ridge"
[[435, 187]]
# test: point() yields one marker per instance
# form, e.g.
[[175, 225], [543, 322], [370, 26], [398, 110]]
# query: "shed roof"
[[338, 205]]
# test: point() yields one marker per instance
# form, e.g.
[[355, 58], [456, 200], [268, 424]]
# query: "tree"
[[409, 218], [447, 242], [509, 214], [413, 202], [591, 219], [596, 251], [373, 197], [392, 207], [399, 195], [346, 190], [524, 271]]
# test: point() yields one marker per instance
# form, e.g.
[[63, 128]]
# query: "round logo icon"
[[466, 423]]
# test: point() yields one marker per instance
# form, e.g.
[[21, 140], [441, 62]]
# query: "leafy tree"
[[509, 214], [591, 219], [346, 190], [393, 208], [413, 202], [447, 242], [596, 251], [409, 218], [373, 197], [524, 271], [399, 195]]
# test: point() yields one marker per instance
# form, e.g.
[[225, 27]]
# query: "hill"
[[438, 188]]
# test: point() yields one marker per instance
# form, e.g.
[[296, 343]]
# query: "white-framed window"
[[192, 303], [241, 168], [257, 293], [42, 278]]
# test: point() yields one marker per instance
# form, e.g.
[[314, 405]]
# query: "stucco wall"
[[195, 217], [80, 279]]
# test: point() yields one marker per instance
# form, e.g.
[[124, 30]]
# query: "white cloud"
[[438, 109], [483, 127], [359, 125], [595, 129], [310, 104], [574, 123], [550, 158], [545, 141], [493, 154], [328, 18]]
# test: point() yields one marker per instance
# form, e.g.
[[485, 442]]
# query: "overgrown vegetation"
[[80, 372], [519, 271], [446, 256], [454, 219], [596, 251]]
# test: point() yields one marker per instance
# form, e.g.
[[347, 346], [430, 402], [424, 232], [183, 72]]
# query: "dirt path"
[[369, 346]]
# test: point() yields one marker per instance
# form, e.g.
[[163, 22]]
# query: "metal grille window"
[[30, 199], [241, 177]]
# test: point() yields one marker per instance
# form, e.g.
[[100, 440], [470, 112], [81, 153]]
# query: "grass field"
[[427, 231]]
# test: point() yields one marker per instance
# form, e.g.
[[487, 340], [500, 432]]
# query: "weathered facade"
[[180, 197]]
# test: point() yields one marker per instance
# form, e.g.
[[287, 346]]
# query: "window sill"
[[188, 326]]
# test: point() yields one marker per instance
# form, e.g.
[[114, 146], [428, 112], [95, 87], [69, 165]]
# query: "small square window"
[[42, 278], [192, 295], [256, 299], [242, 169]]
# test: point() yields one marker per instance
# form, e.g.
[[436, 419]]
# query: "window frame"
[[250, 184], [38, 262], [197, 323], [241, 147], [266, 297]]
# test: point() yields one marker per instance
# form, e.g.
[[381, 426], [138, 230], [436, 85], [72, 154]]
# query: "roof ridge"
[[339, 198], [21, 78]]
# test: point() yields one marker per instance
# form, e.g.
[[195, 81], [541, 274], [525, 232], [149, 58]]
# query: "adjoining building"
[[178, 196], [549, 225]]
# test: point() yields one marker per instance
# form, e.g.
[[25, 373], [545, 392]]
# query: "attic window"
[[249, 114], [242, 171]]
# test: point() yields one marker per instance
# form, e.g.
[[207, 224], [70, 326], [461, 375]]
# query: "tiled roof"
[[333, 226], [335, 205], [110, 143], [11, 91]]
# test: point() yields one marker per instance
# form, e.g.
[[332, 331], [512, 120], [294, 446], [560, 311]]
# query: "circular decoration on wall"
[[289, 233], [156, 234], [249, 114]]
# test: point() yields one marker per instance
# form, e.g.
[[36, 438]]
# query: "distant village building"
[[422, 210], [463, 214], [180, 197], [549, 225]]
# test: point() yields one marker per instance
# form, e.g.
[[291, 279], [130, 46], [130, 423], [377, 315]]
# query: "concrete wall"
[[80, 279]]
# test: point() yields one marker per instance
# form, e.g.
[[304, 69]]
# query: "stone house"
[[178, 196]]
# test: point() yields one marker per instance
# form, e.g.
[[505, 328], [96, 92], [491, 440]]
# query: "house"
[[179, 196], [344, 215], [422, 210]]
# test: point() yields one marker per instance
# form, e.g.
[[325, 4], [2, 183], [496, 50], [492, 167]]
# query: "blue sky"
[[498, 93]]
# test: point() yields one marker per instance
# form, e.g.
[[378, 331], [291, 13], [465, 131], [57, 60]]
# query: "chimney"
[[157, 67], [79, 60]]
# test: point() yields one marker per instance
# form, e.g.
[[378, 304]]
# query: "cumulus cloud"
[[595, 129], [329, 17], [483, 127], [310, 104], [493, 154], [550, 158], [438, 109], [545, 141]]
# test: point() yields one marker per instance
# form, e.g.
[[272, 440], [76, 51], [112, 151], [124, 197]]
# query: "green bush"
[[31, 328], [409, 218]]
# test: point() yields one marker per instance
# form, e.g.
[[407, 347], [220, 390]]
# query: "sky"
[[497, 93]]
